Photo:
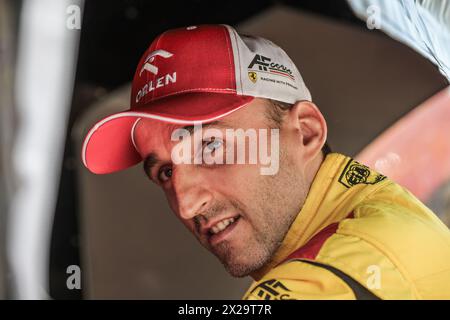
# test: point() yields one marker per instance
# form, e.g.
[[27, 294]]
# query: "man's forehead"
[[165, 129]]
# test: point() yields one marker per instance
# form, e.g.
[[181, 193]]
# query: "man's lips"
[[207, 230], [223, 234]]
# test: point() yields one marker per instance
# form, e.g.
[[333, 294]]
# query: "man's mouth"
[[221, 225], [221, 229]]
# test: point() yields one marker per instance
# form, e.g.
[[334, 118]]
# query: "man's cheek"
[[244, 232]]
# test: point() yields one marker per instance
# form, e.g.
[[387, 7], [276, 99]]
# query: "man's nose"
[[192, 196]]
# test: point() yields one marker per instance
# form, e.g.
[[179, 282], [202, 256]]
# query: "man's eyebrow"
[[216, 123], [149, 163]]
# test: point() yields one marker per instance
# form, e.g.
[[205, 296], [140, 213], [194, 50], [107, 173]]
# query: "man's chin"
[[238, 271], [239, 264]]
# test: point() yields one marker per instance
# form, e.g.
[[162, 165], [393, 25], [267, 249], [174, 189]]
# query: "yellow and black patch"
[[271, 290], [252, 76], [355, 173]]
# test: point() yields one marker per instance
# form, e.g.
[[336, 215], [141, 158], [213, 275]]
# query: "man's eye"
[[211, 146], [164, 174]]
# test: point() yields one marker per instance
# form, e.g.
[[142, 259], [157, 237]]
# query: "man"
[[303, 222]]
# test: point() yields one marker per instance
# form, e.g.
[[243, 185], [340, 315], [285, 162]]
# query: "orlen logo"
[[151, 68], [157, 82]]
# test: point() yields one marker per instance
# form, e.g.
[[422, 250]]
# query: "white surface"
[[43, 91], [423, 25]]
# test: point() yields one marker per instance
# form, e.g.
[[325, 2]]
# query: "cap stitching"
[[132, 133], [156, 47], [192, 89], [240, 66], [229, 56], [239, 59]]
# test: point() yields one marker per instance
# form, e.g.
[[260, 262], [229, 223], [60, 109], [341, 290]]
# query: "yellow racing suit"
[[358, 236]]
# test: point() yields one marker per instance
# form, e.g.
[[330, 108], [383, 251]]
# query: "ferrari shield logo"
[[252, 76]]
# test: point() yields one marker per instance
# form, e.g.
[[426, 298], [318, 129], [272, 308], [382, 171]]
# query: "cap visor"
[[108, 146]]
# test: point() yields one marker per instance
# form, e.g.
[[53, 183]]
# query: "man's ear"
[[310, 126]]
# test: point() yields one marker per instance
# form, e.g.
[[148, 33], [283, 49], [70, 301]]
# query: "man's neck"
[[313, 167]]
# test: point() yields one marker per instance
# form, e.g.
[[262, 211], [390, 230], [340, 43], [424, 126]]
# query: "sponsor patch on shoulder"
[[356, 173]]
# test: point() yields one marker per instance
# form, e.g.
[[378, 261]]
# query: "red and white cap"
[[193, 75]]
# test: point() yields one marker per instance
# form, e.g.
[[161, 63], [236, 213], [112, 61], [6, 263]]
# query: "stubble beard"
[[270, 227]]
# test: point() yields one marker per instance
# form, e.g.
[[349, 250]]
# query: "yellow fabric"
[[394, 245], [299, 280]]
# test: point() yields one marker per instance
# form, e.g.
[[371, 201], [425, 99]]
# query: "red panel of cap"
[[194, 59]]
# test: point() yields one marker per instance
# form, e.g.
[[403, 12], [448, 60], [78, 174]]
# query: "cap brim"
[[108, 146]]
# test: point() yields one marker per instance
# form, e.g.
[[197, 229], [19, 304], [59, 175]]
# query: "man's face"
[[234, 211]]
